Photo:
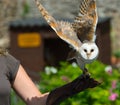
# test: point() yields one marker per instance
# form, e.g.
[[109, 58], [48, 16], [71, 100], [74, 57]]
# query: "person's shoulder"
[[3, 51]]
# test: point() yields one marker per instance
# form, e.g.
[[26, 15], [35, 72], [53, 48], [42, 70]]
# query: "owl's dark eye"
[[92, 50], [85, 50]]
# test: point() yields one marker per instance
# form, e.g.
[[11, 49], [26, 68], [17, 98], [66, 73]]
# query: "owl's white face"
[[89, 51]]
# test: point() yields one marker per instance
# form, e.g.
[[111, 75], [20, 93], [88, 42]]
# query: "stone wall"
[[111, 8], [7, 13]]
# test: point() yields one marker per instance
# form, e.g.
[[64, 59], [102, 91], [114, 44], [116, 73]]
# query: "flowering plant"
[[114, 85], [108, 93]]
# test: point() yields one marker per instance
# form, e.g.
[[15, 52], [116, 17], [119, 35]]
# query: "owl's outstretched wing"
[[63, 29], [86, 21]]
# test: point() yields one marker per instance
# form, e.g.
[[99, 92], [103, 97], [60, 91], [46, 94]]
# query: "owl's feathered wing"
[[86, 21], [63, 29], [83, 26]]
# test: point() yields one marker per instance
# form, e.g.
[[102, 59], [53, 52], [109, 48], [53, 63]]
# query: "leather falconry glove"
[[79, 84]]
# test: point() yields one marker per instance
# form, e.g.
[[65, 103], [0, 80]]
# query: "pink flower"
[[114, 84], [65, 78], [113, 96]]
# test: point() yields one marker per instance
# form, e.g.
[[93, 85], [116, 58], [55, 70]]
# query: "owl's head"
[[89, 51]]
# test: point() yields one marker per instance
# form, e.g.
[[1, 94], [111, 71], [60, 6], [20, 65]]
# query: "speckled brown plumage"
[[85, 23], [83, 27], [80, 34]]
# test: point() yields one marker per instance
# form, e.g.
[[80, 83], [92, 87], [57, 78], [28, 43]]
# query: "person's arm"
[[27, 90]]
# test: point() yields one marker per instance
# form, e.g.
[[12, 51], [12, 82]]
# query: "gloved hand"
[[61, 93]]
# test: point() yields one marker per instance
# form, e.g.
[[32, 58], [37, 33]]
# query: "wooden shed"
[[35, 44], [104, 40]]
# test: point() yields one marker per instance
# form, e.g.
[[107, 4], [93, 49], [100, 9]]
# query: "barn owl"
[[80, 34]]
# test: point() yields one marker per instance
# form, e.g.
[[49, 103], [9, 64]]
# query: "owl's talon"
[[86, 74]]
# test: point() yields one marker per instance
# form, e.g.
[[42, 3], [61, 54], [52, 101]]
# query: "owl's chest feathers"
[[80, 59]]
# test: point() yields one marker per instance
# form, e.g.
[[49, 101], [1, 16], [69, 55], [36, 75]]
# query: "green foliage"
[[15, 100], [26, 9], [55, 77], [117, 54]]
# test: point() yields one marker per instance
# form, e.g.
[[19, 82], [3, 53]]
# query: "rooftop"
[[41, 22]]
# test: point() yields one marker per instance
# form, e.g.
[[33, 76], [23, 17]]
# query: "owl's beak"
[[88, 55]]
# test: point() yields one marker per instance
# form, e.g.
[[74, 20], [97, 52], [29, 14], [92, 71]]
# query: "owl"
[[79, 34]]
